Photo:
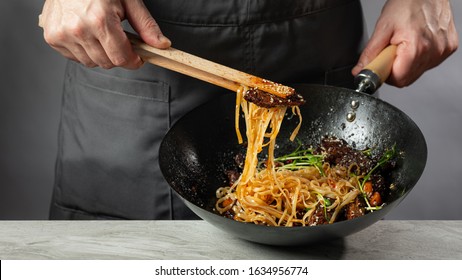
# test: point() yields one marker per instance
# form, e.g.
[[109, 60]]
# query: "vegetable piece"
[[368, 187], [376, 199], [227, 202]]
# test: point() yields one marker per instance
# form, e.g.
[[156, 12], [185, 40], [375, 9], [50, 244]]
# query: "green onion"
[[375, 208]]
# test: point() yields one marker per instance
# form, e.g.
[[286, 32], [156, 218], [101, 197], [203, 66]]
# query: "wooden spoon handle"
[[163, 58], [202, 69], [205, 70]]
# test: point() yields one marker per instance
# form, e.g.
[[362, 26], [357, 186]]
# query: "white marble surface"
[[199, 240]]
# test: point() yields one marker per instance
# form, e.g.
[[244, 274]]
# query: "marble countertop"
[[156, 240]]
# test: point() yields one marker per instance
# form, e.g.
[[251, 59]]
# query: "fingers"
[[424, 33], [143, 23], [378, 41], [79, 54], [89, 32], [120, 52], [407, 67], [118, 48], [73, 51]]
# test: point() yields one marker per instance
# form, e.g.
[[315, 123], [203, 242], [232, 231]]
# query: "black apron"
[[113, 121]]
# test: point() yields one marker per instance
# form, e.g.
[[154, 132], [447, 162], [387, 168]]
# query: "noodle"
[[277, 196]]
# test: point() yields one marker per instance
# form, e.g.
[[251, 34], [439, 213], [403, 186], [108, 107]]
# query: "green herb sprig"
[[301, 158], [386, 157]]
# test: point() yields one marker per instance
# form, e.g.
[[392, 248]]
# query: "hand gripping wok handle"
[[376, 72]]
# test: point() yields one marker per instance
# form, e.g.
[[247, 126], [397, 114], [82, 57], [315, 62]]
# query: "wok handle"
[[376, 72]]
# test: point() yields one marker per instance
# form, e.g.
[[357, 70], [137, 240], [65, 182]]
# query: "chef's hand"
[[90, 31], [423, 31]]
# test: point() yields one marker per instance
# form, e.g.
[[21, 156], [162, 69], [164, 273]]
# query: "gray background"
[[31, 81]]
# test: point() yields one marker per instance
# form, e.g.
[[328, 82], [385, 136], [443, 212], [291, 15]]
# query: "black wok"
[[199, 148]]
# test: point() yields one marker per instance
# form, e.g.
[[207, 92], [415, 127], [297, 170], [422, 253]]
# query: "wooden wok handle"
[[383, 63], [377, 71]]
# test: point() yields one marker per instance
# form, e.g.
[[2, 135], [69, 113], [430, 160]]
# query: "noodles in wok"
[[307, 187]]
